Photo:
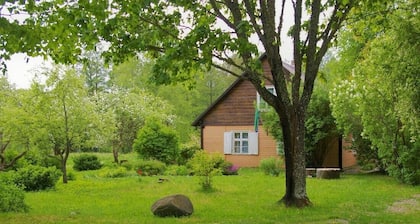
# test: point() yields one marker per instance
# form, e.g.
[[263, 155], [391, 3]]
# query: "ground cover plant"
[[249, 197]]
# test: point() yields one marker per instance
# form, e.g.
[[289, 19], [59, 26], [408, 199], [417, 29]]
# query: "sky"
[[21, 69]]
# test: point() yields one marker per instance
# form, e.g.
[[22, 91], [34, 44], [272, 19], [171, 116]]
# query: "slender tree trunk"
[[115, 154], [64, 170], [293, 136]]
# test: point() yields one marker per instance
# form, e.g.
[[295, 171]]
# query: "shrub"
[[37, 158], [114, 173], [12, 198], [71, 175], [407, 169], [206, 166], [127, 165], [86, 162], [271, 166], [186, 153], [229, 169], [155, 141], [150, 167], [177, 170], [34, 178]]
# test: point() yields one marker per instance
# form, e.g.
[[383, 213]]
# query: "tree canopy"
[[378, 101]]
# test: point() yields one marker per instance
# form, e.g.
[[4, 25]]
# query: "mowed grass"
[[250, 197]]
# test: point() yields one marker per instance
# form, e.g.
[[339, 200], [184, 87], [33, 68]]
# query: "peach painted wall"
[[349, 156], [213, 142]]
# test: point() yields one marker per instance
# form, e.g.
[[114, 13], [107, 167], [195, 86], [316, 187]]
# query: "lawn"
[[249, 197]]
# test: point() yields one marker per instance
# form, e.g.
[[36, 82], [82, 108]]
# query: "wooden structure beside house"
[[228, 127]]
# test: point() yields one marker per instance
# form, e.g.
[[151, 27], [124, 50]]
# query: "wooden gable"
[[236, 106]]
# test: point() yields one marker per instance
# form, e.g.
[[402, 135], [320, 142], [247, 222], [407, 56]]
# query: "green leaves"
[[381, 95]]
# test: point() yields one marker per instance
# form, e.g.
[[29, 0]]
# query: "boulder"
[[173, 205]]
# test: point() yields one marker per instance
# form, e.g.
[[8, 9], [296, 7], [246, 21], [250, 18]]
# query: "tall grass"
[[250, 197]]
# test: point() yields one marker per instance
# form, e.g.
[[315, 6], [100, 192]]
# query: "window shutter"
[[227, 146], [253, 143]]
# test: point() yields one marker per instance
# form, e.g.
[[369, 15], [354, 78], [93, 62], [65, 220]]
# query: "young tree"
[[185, 35], [95, 71], [16, 124], [123, 112], [65, 115]]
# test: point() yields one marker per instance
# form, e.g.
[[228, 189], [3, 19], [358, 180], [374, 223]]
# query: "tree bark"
[[115, 154], [293, 136], [64, 170]]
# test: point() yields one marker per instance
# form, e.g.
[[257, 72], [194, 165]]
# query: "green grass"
[[249, 197]]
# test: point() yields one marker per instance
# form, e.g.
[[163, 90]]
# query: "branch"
[[251, 13], [156, 23], [220, 15], [229, 61], [15, 159], [225, 69], [268, 25], [296, 51], [332, 28], [280, 27]]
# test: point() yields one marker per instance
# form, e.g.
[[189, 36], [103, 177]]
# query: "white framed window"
[[261, 104], [241, 142]]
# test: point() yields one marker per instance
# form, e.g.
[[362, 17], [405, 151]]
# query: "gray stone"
[[173, 205]]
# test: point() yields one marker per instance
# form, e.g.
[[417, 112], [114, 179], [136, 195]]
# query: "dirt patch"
[[410, 205]]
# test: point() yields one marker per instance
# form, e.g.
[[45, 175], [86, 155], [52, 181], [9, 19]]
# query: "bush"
[[229, 169], [114, 173], [186, 153], [86, 162], [271, 166], [12, 198], [71, 176], [177, 170], [35, 178], [206, 166], [408, 168], [127, 165], [155, 141], [150, 168]]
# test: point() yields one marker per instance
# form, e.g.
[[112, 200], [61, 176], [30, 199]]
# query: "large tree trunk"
[[293, 136]]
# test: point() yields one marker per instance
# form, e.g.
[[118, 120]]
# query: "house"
[[229, 127]]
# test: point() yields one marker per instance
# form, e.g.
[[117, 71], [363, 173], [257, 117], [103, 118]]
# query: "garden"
[[119, 194]]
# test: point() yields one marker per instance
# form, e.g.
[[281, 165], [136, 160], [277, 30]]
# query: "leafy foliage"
[[150, 167], [86, 162], [177, 170], [229, 168], [156, 141], [206, 166], [319, 127], [272, 166], [115, 172], [36, 178], [12, 198], [66, 118], [383, 93], [16, 125]]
